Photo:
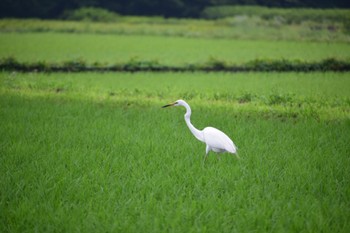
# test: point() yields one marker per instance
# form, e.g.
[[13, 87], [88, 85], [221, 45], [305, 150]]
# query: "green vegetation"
[[239, 27], [90, 14], [95, 152], [233, 22], [315, 95], [133, 65], [289, 15], [166, 8], [170, 51]]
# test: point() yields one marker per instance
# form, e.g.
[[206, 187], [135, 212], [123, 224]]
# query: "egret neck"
[[197, 133]]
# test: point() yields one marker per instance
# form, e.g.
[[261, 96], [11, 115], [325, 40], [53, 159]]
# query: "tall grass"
[[94, 152], [89, 163], [315, 95], [240, 27]]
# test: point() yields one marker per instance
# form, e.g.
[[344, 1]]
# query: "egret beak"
[[168, 105]]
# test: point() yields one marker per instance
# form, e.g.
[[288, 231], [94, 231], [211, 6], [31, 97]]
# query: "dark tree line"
[[166, 8]]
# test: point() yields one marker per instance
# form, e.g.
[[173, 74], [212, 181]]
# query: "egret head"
[[176, 103]]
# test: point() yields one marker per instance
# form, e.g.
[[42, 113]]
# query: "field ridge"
[[212, 65]]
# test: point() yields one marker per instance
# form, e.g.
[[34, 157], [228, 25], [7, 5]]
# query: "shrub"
[[276, 99], [245, 98], [134, 64], [74, 65], [290, 15], [215, 64], [10, 63], [90, 14]]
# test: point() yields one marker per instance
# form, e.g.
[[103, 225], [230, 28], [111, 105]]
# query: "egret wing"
[[218, 139]]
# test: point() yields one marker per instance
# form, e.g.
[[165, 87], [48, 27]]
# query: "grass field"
[[95, 152], [320, 89], [298, 26], [111, 49]]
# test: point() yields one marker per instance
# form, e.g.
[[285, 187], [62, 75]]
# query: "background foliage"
[[167, 8]]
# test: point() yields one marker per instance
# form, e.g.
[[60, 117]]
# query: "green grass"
[[96, 153], [284, 15], [282, 26], [111, 49], [316, 95], [316, 85]]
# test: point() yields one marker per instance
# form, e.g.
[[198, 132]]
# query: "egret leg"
[[218, 156], [205, 158], [207, 149]]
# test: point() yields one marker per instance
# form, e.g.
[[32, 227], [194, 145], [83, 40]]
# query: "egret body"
[[215, 139]]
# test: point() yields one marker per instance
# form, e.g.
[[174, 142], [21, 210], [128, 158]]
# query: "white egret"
[[215, 139]]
